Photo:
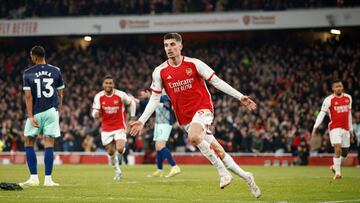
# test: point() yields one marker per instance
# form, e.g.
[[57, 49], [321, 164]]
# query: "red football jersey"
[[112, 110], [339, 109], [185, 85]]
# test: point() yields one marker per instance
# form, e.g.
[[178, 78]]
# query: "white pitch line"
[[340, 201], [132, 199]]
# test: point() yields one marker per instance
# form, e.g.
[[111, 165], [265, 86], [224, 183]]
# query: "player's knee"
[[110, 152], [159, 145], [159, 148], [194, 140], [29, 142], [337, 152], [344, 153], [121, 150], [195, 134]]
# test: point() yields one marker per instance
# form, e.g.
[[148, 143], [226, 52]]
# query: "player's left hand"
[[246, 101], [313, 134], [34, 122], [352, 137], [136, 128]]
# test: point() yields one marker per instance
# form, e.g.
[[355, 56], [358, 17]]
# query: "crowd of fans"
[[287, 81], [52, 8]]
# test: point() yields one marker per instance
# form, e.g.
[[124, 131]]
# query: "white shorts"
[[204, 117], [340, 136], [108, 137]]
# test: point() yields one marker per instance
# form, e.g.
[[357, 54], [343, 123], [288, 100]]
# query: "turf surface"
[[94, 183]]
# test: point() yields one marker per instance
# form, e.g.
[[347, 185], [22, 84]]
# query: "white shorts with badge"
[[340, 136], [204, 117], [108, 137]]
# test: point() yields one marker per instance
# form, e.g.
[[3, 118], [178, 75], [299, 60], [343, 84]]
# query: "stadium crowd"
[[52, 8], [288, 82]]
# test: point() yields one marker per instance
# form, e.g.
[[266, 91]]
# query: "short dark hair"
[[173, 35], [108, 76], [336, 81], [38, 51]]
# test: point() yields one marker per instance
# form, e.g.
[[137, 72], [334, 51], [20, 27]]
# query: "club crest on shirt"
[[188, 71], [347, 101], [116, 102], [336, 103], [103, 103]]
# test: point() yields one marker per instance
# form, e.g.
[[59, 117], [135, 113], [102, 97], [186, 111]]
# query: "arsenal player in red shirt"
[[109, 106], [183, 79], [338, 107]]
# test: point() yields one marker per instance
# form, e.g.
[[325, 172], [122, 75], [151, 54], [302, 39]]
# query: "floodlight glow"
[[335, 32], [87, 38]]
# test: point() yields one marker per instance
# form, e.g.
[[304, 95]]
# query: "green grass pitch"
[[94, 183]]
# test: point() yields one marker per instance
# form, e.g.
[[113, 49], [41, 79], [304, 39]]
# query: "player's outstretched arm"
[[320, 117], [132, 105], [318, 121], [29, 108], [227, 89], [137, 126]]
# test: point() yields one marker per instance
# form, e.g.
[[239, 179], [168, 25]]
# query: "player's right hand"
[[249, 103], [313, 133], [136, 128], [34, 122]]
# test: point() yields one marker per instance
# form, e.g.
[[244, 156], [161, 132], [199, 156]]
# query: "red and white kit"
[[186, 87], [113, 115], [339, 111]]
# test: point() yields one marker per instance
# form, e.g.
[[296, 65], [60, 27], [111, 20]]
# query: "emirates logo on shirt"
[[111, 109], [188, 71], [341, 109], [181, 85]]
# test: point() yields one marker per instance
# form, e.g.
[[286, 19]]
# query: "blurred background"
[[283, 53]]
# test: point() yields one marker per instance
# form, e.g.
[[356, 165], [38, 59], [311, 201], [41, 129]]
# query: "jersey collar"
[[182, 60]]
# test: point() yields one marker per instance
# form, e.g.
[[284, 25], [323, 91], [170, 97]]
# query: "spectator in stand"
[[51, 8]]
